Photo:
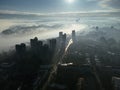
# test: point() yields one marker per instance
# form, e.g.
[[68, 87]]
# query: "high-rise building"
[[34, 42], [20, 48], [73, 35], [64, 37], [60, 34], [52, 44], [40, 43]]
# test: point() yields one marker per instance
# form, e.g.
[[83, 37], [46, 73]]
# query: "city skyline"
[[45, 18]]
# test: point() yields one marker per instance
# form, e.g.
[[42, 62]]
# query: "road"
[[58, 56]]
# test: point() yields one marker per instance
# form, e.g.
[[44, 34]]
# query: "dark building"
[[36, 44], [64, 37], [52, 43], [46, 54], [60, 37], [20, 48], [45, 49], [116, 83], [73, 35], [60, 34], [40, 43], [76, 77]]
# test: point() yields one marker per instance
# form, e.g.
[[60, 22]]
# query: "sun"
[[70, 1]]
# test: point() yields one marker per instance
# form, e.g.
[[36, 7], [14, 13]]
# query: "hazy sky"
[[48, 6]]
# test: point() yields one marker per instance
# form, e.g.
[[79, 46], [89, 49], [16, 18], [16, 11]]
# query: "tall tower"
[[60, 34], [52, 44], [73, 35]]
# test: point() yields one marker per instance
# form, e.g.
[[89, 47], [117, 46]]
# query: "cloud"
[[115, 4], [92, 0], [18, 12], [6, 14], [107, 4], [29, 29]]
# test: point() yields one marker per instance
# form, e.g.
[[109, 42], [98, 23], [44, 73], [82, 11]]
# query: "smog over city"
[[59, 44]]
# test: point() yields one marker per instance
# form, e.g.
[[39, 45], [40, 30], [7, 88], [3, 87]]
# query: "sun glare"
[[70, 1]]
